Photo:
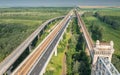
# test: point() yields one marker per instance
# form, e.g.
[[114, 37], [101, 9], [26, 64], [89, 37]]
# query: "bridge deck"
[[8, 61], [85, 33], [24, 69]]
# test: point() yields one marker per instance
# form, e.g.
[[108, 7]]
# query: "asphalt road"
[[40, 64]]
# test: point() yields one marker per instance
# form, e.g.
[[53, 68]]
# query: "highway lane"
[[40, 64], [8, 61]]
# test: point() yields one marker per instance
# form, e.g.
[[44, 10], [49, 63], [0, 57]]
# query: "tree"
[[76, 65]]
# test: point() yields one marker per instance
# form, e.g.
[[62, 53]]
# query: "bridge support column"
[[61, 38], [56, 51], [9, 71], [44, 71], [38, 36], [30, 47]]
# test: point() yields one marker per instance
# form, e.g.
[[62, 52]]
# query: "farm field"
[[16, 24], [107, 24]]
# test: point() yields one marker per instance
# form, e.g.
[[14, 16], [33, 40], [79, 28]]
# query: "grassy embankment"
[[16, 24], [107, 22]]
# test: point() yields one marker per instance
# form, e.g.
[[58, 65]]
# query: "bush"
[[77, 61], [96, 31]]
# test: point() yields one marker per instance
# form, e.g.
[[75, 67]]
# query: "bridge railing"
[[85, 33]]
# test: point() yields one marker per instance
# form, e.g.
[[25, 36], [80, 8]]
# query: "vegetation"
[[16, 24], [95, 29], [73, 46], [78, 63], [55, 65], [112, 19], [87, 14], [107, 31]]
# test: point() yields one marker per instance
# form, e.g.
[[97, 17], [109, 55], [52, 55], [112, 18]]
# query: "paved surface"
[[8, 61], [37, 69], [28, 63]]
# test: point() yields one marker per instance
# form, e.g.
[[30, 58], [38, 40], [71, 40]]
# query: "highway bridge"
[[35, 63], [8, 61], [101, 53], [38, 67]]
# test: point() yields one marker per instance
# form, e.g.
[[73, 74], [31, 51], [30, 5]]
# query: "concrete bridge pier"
[[30, 47], [61, 38], [44, 71], [45, 27], [56, 51], [8, 72], [38, 36]]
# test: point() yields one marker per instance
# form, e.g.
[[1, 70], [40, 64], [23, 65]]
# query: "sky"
[[58, 3]]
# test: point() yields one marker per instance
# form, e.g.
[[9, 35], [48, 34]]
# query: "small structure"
[[103, 49]]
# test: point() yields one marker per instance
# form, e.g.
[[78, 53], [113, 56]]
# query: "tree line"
[[113, 21], [78, 63]]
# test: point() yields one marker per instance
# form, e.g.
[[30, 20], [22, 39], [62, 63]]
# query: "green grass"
[[55, 65], [34, 23], [98, 9], [109, 13], [16, 24]]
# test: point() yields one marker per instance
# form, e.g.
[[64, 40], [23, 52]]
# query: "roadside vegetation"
[[73, 46], [55, 65], [16, 24], [105, 26], [78, 63]]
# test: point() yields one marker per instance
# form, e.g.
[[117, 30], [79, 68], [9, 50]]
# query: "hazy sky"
[[37, 3]]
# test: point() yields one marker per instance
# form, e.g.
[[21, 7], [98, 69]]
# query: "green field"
[[109, 32], [16, 24]]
